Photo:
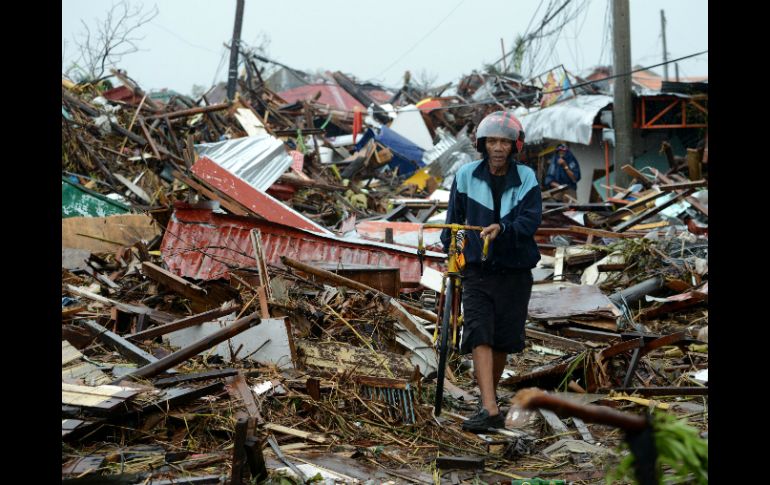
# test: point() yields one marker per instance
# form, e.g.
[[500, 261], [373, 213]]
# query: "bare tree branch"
[[104, 44]]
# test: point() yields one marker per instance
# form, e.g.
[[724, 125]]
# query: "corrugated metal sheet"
[[258, 160], [77, 201], [570, 120], [203, 245], [331, 94], [256, 200]]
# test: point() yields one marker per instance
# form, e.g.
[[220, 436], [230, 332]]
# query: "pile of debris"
[[242, 296]]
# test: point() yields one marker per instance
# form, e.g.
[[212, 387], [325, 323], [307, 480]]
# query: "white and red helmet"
[[500, 124]]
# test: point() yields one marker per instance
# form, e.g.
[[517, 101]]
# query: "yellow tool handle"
[[485, 252]]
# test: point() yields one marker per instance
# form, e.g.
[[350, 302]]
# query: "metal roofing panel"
[[331, 94], [203, 245], [258, 160], [256, 200], [570, 120]]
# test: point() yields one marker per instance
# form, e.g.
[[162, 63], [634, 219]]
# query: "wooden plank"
[[410, 324], [90, 400], [651, 212], [562, 342], [133, 188], [634, 173], [340, 357], [176, 283], [631, 206], [180, 395], [558, 271], [583, 430], [691, 200], [107, 234], [683, 185], [240, 390], [103, 391], [190, 321], [123, 346], [158, 316], [587, 231], [594, 335], [239, 451], [622, 347], [69, 353], [314, 437], [88, 372], [198, 376], [556, 425]]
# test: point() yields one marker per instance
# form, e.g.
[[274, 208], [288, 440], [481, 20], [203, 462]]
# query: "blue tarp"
[[407, 157]]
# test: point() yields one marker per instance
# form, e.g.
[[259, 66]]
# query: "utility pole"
[[232, 75], [676, 70], [665, 52], [622, 103], [502, 46]]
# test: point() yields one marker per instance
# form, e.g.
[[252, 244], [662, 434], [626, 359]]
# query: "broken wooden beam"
[[240, 390], [255, 459], [651, 212], [622, 347], [634, 173], [194, 349], [239, 451], [691, 200], [123, 346], [186, 322], [555, 340], [189, 112], [176, 283], [683, 185], [314, 437], [195, 377], [587, 231]]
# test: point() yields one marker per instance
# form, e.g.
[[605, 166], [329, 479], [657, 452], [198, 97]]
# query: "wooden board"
[[90, 374], [107, 234], [69, 353], [337, 357]]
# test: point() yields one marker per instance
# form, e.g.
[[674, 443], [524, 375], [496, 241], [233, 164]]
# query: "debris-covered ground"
[[242, 298]]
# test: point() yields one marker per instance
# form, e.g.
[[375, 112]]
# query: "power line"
[[182, 38], [421, 39], [556, 90]]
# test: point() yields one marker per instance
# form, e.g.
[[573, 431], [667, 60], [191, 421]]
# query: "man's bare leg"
[[483, 363], [499, 359]]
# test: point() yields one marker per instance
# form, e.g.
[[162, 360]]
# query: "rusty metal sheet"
[[256, 200], [562, 301], [203, 245]]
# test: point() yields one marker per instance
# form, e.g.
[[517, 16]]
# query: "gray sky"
[[183, 45]]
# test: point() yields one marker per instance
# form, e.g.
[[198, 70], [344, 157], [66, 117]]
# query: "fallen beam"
[[123, 346], [683, 185], [194, 349], [189, 112], [183, 323], [651, 212], [176, 283], [198, 376]]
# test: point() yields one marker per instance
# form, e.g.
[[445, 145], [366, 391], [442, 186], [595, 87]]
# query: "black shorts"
[[495, 309]]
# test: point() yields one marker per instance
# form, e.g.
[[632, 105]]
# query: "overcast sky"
[[183, 45]]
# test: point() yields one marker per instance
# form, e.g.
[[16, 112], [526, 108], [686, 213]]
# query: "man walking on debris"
[[564, 169], [503, 196]]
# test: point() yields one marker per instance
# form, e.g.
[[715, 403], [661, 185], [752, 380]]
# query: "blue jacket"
[[521, 211], [557, 174]]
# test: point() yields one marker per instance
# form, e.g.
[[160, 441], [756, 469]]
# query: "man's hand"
[[491, 232], [563, 162]]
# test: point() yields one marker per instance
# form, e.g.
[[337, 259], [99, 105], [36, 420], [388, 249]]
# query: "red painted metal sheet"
[[253, 198], [331, 94], [203, 245]]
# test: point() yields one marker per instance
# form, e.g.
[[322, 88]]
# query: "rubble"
[[242, 295]]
